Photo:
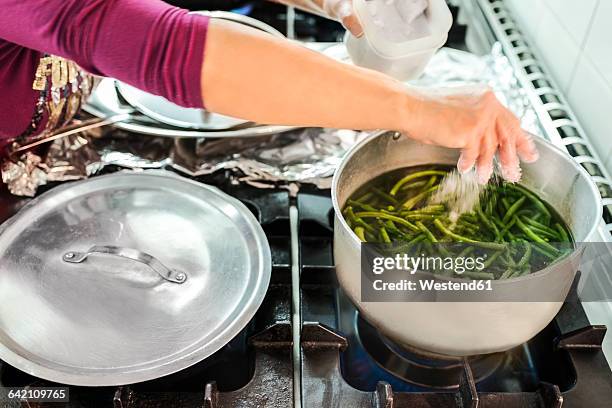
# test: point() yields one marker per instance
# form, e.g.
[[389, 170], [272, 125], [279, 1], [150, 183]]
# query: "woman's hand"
[[339, 10], [473, 120], [342, 11]]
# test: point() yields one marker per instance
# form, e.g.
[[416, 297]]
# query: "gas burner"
[[421, 367]]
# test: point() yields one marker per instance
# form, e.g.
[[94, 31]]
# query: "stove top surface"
[[343, 358]]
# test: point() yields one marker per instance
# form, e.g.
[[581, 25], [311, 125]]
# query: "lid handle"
[[168, 274]]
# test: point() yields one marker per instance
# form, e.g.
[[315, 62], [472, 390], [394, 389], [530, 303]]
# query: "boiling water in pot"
[[518, 232]]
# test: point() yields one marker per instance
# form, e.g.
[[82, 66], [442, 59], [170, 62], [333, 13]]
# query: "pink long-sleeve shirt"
[[146, 43]]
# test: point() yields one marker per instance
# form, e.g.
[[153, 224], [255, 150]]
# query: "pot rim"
[[539, 141]]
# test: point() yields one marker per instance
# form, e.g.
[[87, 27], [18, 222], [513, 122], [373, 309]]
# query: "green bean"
[[384, 195], [538, 225], [470, 215], [498, 222], [506, 203], [419, 245], [535, 200], [562, 234], [417, 184], [378, 214], [467, 223], [489, 207], [544, 252], [430, 182], [508, 258], [545, 233], [364, 197], [513, 208], [431, 237], [414, 176], [526, 212], [526, 256], [365, 225], [429, 210], [464, 229], [360, 232], [489, 224], [411, 202], [446, 231], [418, 238], [508, 226], [391, 226], [507, 274], [420, 217], [511, 236], [384, 235], [358, 221], [535, 237], [466, 251], [520, 272], [348, 213], [478, 275], [491, 259], [426, 247], [365, 207]]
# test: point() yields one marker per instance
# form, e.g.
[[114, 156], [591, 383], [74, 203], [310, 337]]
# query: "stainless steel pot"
[[466, 328]]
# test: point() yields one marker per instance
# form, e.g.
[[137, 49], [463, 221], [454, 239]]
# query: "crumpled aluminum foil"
[[25, 175], [301, 156]]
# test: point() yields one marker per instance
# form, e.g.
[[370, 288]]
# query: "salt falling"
[[459, 192]]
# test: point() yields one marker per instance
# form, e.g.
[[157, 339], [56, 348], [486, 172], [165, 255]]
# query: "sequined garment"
[[62, 87]]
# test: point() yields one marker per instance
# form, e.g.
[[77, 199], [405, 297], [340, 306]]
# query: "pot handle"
[[168, 274]]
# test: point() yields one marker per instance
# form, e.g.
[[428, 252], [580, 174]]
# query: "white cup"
[[403, 58]]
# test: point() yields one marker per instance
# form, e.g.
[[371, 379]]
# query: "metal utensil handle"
[[73, 129], [129, 253]]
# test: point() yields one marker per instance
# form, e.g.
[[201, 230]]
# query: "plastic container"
[[384, 49]]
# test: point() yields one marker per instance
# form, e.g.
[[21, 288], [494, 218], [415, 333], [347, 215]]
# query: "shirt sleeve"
[[145, 43]]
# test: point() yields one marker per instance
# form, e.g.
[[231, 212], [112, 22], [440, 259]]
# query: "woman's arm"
[[146, 43], [252, 75]]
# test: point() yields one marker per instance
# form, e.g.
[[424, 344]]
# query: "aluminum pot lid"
[[127, 277], [164, 111], [104, 102]]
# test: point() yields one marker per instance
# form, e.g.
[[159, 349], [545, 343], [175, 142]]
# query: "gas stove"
[[342, 360], [307, 346]]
